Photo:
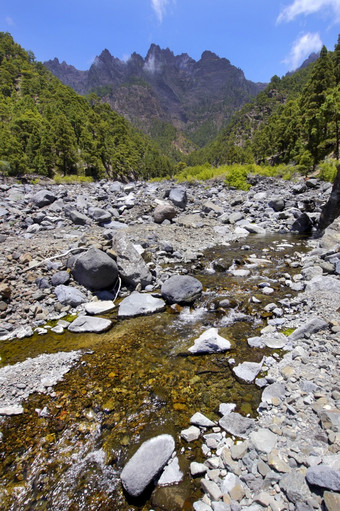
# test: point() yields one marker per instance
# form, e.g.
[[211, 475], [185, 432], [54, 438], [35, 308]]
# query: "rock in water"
[[95, 269], [237, 425], [181, 289], [84, 324], [138, 304], [210, 342], [146, 464], [248, 371]]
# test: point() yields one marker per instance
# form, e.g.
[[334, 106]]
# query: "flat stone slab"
[[275, 340], [210, 342], [100, 307], [198, 419], [11, 410], [248, 371], [140, 304], [83, 324], [172, 474], [191, 434], [146, 464], [237, 425], [277, 390]]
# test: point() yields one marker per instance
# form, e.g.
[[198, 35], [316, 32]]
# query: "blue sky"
[[262, 37]]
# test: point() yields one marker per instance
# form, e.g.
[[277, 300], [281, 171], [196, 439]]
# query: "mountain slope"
[[294, 120], [47, 128], [197, 98]]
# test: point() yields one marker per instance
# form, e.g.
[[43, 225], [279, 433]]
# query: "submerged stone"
[[138, 304]]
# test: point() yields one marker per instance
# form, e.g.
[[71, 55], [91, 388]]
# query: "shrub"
[[328, 170]]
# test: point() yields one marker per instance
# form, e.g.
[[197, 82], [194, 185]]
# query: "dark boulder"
[[181, 289], [95, 270], [331, 210]]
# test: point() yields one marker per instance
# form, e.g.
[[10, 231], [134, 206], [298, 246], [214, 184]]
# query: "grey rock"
[[43, 198], [164, 212], [11, 410], [181, 289], [138, 304], [68, 295], [237, 425], [277, 204], [61, 277], [332, 501], [212, 489], [197, 469], [201, 506], [146, 464], [101, 216], [172, 473], [132, 267], [276, 340], [78, 218], [273, 390], [178, 197], [198, 419], [210, 342], [236, 217], [226, 408], [294, 486], [254, 229], [99, 307], [324, 477], [313, 326], [324, 284], [95, 269], [248, 371], [191, 434], [263, 440], [84, 324]]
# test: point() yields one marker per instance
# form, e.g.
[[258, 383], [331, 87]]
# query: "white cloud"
[[306, 7], [9, 21], [302, 48], [159, 6]]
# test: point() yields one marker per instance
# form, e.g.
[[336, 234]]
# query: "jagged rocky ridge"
[[197, 97]]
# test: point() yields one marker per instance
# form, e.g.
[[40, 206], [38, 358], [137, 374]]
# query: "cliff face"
[[197, 97]]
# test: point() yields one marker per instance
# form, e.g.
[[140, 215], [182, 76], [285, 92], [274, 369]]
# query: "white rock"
[[210, 342]]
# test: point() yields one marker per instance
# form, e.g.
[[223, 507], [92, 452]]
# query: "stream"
[[137, 381]]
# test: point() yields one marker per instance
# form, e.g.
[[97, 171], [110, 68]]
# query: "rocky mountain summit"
[[197, 97]]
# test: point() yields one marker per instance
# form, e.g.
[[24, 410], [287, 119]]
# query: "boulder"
[[138, 304], [84, 324], [210, 342], [324, 477], [94, 269], [68, 295], [43, 198], [313, 326], [302, 224], [273, 390], [132, 267], [331, 210], [181, 289], [277, 204], [263, 440], [294, 486], [178, 197], [164, 212], [146, 464]]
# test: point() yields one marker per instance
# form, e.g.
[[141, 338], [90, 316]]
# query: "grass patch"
[[71, 179]]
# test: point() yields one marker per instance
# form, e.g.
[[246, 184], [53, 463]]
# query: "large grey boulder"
[[324, 477], [181, 289], [313, 326], [178, 197], [78, 218], [272, 391], [277, 204], [263, 440], [146, 464], [295, 487], [302, 224], [68, 295], [95, 270], [237, 425], [140, 304], [164, 212], [99, 307], [61, 277], [132, 267], [84, 324], [43, 198], [210, 342]]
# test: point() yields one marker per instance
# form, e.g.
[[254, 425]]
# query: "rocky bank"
[[288, 457]]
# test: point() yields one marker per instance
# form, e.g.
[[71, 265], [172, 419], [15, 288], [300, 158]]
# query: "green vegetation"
[[295, 120], [234, 175], [48, 129]]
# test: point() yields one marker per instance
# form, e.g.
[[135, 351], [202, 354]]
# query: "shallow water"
[[134, 382]]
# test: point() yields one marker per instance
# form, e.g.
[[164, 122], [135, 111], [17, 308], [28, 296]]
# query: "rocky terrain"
[[57, 243]]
